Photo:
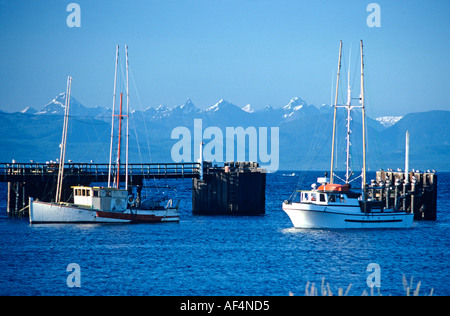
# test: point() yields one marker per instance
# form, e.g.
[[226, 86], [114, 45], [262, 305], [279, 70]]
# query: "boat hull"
[[316, 216], [143, 216], [43, 212]]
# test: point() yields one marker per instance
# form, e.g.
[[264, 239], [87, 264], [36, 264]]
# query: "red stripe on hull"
[[113, 215], [140, 218]]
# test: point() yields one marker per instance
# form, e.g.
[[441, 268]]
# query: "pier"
[[414, 192]]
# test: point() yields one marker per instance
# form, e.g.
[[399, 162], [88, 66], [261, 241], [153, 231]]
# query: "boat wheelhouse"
[[100, 198]]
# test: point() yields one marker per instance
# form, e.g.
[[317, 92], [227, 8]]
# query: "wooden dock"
[[417, 195]]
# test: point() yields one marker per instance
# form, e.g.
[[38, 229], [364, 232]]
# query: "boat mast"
[[349, 119], [334, 120], [62, 156], [363, 118], [112, 120], [349, 107], [128, 118], [119, 142]]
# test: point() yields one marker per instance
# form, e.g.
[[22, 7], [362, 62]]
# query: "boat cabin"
[[104, 199], [82, 195], [325, 198], [327, 194]]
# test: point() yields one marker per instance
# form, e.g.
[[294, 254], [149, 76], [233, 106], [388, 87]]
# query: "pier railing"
[[10, 172]]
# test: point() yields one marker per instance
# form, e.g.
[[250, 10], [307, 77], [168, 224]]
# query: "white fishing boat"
[[102, 204], [336, 206], [332, 205]]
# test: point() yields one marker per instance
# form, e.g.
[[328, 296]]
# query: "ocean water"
[[222, 255]]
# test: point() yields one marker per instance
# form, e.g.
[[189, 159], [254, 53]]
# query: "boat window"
[[95, 193], [322, 197], [332, 198], [341, 198], [313, 196]]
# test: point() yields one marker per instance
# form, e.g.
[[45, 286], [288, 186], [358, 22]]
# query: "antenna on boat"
[[63, 142], [363, 118], [407, 158], [128, 118], [119, 142], [201, 160], [335, 104], [112, 120], [349, 118]]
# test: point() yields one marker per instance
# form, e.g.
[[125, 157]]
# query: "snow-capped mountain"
[[57, 107], [298, 108], [29, 110], [248, 108], [388, 121], [222, 113], [149, 112], [222, 105], [186, 109], [294, 105], [162, 111]]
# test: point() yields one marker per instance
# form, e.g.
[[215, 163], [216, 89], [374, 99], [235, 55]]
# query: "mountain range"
[[304, 134]]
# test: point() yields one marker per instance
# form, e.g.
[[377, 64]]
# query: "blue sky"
[[256, 52]]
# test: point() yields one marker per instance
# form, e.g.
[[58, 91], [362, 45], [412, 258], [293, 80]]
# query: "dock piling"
[[413, 192]]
